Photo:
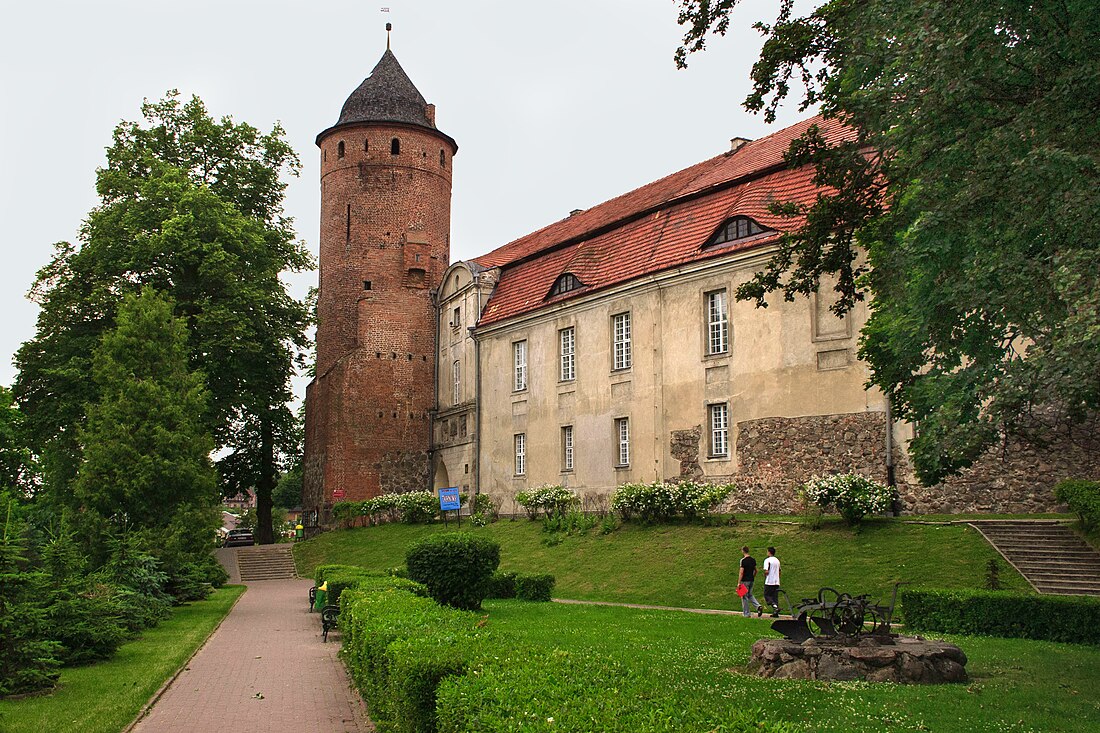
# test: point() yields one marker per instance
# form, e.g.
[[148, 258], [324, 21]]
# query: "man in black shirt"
[[745, 576]]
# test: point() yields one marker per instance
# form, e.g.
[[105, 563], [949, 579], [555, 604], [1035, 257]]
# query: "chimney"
[[574, 212], [737, 142], [429, 112]]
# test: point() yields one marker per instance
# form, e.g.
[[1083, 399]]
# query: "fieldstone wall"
[[903, 659], [403, 471], [685, 449], [1016, 477], [778, 454]]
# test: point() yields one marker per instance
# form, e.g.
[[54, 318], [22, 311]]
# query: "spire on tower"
[[389, 27]]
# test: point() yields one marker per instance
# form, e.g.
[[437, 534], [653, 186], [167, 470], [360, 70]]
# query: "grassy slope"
[[696, 566], [105, 697], [695, 660]]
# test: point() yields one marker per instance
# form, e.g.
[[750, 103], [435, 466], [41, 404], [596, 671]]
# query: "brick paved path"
[[266, 669]]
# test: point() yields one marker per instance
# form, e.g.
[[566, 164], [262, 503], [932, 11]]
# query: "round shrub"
[[1083, 499], [456, 567], [854, 496]]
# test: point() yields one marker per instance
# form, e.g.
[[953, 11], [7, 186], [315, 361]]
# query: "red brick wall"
[[384, 218]]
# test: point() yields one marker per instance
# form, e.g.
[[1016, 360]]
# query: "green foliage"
[[140, 582], [534, 587], [547, 499], [854, 496], [28, 658], [570, 522], [502, 584], [1083, 499], [660, 501], [146, 448], [455, 567], [192, 207], [971, 182], [17, 467], [413, 507], [485, 510], [322, 572], [1073, 619], [84, 617], [288, 491]]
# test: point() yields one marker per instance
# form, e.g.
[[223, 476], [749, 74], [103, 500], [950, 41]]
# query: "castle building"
[[602, 349]]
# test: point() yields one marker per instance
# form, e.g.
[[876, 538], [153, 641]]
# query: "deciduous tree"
[[972, 184], [192, 207]]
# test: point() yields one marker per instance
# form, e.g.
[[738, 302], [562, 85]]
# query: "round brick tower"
[[384, 244]]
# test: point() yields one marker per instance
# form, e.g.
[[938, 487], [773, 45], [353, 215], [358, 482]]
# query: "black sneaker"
[[759, 611]]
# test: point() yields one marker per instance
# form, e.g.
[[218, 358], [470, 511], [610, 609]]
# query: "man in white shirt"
[[771, 581]]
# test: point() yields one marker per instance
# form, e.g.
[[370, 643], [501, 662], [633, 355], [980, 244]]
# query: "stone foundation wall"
[[777, 454]]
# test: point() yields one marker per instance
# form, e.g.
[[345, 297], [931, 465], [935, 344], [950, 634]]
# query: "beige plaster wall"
[[774, 368]]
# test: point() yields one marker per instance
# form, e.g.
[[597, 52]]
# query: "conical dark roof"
[[387, 95]]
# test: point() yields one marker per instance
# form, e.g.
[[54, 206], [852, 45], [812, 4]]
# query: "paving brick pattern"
[[265, 668]]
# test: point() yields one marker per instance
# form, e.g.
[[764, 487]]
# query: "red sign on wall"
[[338, 494]]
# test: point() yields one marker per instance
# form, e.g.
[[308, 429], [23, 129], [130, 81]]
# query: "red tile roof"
[[661, 225]]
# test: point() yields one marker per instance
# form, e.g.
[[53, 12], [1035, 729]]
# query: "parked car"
[[239, 537]]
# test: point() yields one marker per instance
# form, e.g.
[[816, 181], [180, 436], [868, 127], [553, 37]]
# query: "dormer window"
[[739, 227], [564, 284]]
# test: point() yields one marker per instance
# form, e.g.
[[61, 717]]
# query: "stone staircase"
[[266, 562], [1047, 553]]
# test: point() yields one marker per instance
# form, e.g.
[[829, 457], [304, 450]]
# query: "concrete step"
[[266, 562], [1050, 555]]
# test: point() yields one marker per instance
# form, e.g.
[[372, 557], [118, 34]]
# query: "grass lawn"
[[695, 662], [695, 566], [106, 697]]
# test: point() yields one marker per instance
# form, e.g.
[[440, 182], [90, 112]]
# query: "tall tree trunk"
[[266, 483]]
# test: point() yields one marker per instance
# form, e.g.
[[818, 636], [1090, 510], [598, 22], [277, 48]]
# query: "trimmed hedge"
[[502, 584], [426, 668], [534, 587], [455, 567], [321, 572], [1071, 619]]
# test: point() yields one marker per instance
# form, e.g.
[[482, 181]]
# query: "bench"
[[329, 616]]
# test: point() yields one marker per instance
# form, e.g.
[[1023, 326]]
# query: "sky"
[[555, 105]]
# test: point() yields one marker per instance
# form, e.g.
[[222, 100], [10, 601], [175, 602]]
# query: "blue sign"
[[448, 499]]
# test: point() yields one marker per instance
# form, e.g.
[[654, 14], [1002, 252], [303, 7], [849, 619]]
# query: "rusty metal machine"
[[834, 614]]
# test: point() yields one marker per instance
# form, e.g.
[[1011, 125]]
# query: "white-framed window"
[[521, 453], [620, 337], [567, 448], [567, 350], [519, 366], [719, 429], [456, 373], [718, 327], [456, 318], [622, 434]]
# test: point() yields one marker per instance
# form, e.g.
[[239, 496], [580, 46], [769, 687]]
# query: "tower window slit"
[[347, 224], [395, 147]]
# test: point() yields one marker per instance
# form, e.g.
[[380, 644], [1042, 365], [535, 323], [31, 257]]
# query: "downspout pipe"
[[435, 392], [477, 388]]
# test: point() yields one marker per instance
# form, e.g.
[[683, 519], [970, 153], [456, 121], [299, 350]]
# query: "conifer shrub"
[[455, 567], [1083, 499], [139, 583]]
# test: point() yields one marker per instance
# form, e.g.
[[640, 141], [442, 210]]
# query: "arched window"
[[739, 227], [395, 147], [564, 284], [340, 149]]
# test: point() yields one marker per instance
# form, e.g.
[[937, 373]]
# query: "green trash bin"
[[322, 597]]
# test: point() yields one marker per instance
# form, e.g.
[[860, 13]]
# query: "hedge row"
[[1083, 499], [422, 667], [1073, 619], [523, 586], [342, 577]]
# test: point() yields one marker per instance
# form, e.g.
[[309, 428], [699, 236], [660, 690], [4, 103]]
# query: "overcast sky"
[[555, 105]]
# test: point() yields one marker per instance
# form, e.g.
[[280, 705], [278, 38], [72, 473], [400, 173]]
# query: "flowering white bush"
[[548, 498], [854, 496], [662, 501]]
